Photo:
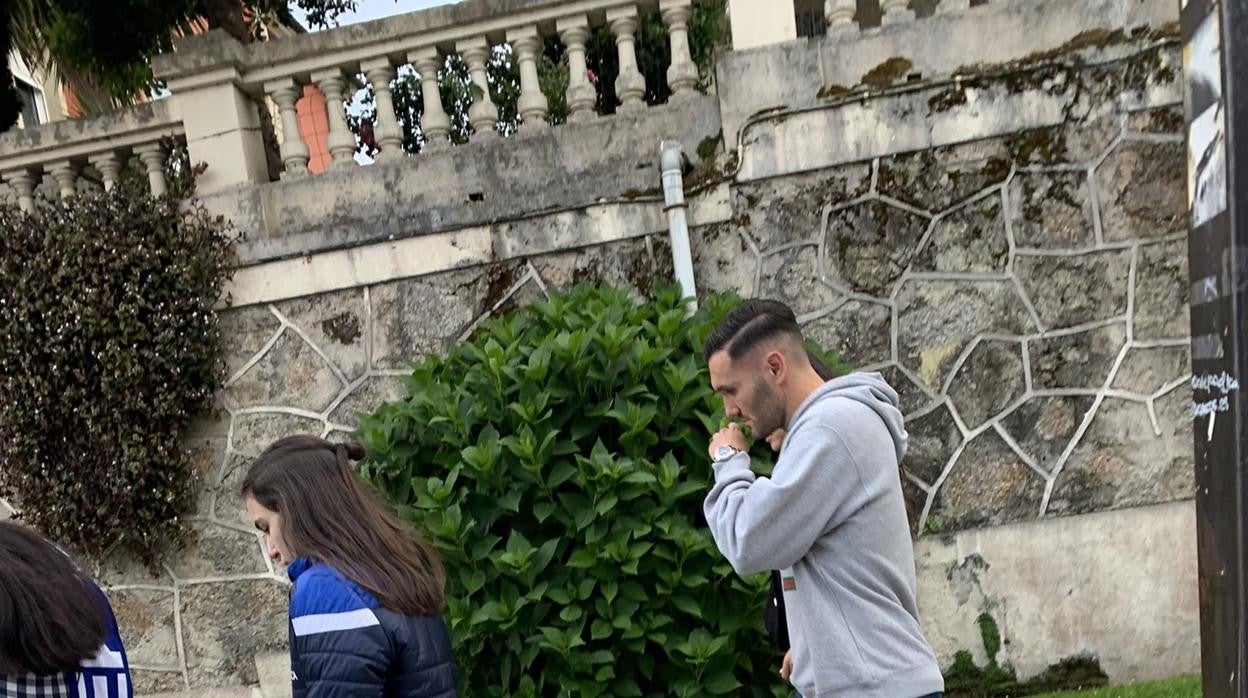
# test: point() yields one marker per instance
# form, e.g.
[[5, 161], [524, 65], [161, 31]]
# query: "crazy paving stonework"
[[1025, 295], [308, 366]]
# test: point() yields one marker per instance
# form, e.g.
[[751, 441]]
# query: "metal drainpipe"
[[678, 227]]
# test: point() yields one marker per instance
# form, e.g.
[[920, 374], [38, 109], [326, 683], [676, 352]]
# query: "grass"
[[1181, 687]]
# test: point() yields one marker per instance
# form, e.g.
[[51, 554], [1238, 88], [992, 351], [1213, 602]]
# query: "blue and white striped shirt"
[[107, 675]]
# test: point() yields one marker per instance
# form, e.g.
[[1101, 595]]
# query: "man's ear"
[[774, 363]]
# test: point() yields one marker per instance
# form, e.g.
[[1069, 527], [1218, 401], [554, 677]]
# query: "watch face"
[[724, 452]]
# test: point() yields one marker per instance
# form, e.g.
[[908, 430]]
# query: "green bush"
[[558, 459], [108, 347]]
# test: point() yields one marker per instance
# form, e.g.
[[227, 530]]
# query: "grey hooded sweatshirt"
[[832, 519]]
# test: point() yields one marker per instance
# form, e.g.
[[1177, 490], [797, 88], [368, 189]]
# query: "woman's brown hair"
[[329, 516], [51, 618]]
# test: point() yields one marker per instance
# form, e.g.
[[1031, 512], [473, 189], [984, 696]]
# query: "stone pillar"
[[285, 94], [581, 94], [948, 7], [66, 177], [341, 142], [483, 115], [152, 156], [761, 22], [630, 86], [682, 75], [533, 107], [388, 134], [895, 11], [839, 15], [109, 166], [23, 182], [222, 122], [434, 123]]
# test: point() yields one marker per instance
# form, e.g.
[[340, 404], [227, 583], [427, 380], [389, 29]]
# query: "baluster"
[[682, 75], [389, 135], [341, 142], [23, 182], [895, 11], [109, 166], [948, 7], [630, 86], [839, 15], [152, 155], [532, 105], [483, 115], [66, 177], [434, 123], [286, 94], [574, 32]]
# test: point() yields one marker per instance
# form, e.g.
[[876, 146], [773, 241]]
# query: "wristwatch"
[[724, 452]]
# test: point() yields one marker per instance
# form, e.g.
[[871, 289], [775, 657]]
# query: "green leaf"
[[687, 604], [541, 559], [559, 474], [600, 629], [474, 582], [606, 504], [722, 683], [559, 596], [543, 510], [582, 558], [518, 544]]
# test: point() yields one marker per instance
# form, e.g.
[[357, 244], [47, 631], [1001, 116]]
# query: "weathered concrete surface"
[[1118, 586], [73, 138], [571, 169], [758, 80]]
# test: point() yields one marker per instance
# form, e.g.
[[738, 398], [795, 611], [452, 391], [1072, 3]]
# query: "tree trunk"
[[227, 15], [10, 106]]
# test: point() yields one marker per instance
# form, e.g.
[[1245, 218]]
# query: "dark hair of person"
[[749, 325], [330, 516], [51, 618]]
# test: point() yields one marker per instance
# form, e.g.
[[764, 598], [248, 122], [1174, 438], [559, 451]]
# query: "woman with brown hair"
[[365, 610], [58, 636]]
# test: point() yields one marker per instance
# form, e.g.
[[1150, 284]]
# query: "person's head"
[[51, 618], [303, 494], [759, 365], [776, 437]]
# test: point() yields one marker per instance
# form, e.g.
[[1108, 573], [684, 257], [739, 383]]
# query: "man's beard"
[[769, 412]]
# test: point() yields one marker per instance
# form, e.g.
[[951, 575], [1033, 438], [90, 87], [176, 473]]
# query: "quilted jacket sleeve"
[[338, 648]]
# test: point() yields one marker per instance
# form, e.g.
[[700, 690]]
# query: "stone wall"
[[309, 365], [1007, 248], [1025, 294]]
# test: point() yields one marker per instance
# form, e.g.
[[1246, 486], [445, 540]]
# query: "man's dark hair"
[[749, 325]]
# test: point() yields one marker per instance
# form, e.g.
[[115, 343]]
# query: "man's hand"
[[786, 667], [730, 436]]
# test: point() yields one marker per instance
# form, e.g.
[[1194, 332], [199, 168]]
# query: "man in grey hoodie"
[[831, 517]]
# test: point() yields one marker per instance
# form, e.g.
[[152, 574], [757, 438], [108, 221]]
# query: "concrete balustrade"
[[422, 43], [220, 88], [65, 150]]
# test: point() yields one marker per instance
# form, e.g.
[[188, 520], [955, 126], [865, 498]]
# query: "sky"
[[376, 9]]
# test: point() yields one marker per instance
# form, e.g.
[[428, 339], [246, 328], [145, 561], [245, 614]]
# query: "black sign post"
[[1215, 62]]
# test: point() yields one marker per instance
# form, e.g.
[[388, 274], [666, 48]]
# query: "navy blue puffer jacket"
[[343, 644]]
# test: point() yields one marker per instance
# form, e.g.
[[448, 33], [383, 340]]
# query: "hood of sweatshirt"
[[869, 389]]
